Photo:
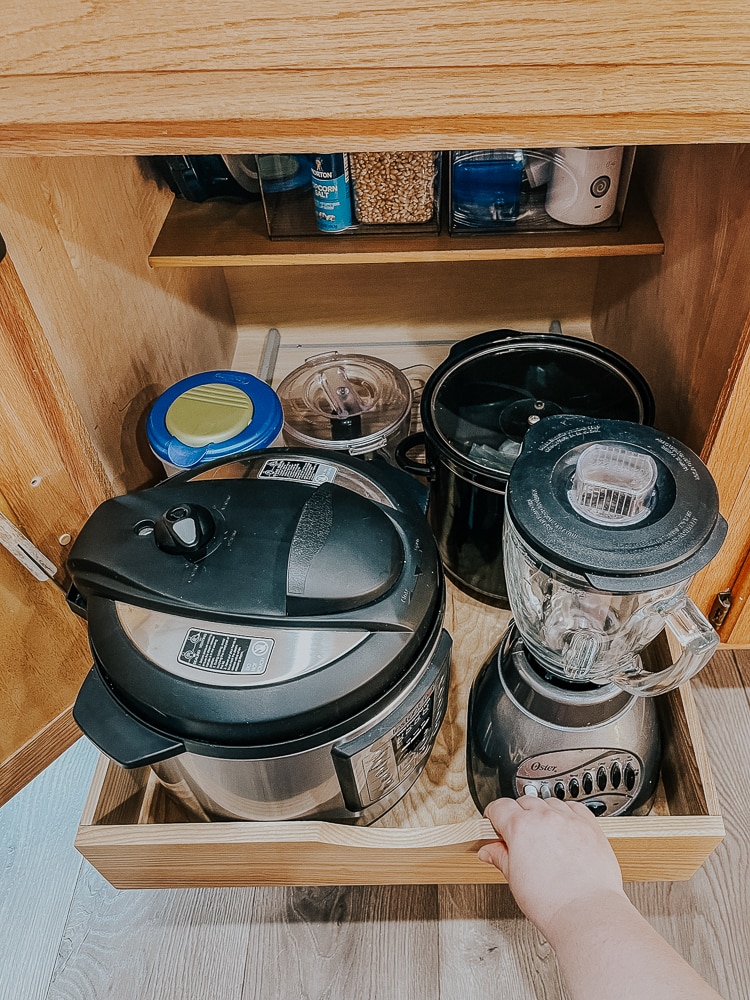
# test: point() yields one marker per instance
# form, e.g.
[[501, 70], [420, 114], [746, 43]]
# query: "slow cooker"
[[267, 635], [476, 408]]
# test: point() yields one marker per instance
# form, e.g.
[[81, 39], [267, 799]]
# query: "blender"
[[606, 523]]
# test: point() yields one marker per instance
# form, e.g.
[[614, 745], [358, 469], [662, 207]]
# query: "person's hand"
[[552, 853]]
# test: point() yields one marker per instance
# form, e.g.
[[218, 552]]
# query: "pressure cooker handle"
[[698, 641], [409, 464], [114, 731]]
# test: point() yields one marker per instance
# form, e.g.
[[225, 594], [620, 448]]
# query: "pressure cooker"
[[267, 635], [476, 408]]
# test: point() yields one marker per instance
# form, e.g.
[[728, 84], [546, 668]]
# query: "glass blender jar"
[[606, 523]]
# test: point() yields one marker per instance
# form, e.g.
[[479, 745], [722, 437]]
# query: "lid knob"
[[613, 484], [184, 530]]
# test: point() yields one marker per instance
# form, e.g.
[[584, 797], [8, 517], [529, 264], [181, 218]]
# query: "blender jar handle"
[[698, 641]]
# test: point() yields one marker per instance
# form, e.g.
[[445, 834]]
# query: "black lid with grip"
[[627, 507], [342, 591], [239, 550]]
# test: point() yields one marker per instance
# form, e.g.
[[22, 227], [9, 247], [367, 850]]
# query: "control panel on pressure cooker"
[[605, 780], [372, 766]]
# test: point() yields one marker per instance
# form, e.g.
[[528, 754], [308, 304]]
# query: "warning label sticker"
[[298, 470], [238, 654]]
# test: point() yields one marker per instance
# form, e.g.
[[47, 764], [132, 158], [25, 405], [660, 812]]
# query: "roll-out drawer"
[[134, 834]]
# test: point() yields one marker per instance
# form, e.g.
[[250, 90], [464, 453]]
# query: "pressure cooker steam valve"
[[184, 530]]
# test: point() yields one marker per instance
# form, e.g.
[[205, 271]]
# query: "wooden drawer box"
[[138, 838]]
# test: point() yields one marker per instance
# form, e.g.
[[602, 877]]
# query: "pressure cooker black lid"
[[249, 549], [482, 400], [261, 607], [625, 506]]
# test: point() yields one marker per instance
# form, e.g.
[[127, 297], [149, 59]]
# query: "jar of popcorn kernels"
[[395, 188]]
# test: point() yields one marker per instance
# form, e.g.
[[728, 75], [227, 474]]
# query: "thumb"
[[495, 854]]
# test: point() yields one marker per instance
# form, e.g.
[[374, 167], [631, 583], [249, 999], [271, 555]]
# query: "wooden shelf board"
[[220, 234]]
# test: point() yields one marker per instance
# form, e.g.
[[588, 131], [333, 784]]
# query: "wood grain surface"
[[62, 38], [220, 234], [333, 943], [695, 305], [133, 835], [50, 480], [708, 918], [38, 872], [407, 315], [79, 231], [448, 107], [727, 453]]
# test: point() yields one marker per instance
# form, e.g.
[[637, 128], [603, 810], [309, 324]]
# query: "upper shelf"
[[218, 234]]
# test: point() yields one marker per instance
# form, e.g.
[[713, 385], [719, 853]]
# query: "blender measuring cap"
[[613, 485]]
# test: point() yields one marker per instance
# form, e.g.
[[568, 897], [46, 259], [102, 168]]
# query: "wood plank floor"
[[65, 933]]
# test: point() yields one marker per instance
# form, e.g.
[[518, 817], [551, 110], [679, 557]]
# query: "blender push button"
[[574, 788], [588, 783], [615, 775], [531, 790], [545, 791], [630, 776], [597, 807], [601, 779], [560, 789]]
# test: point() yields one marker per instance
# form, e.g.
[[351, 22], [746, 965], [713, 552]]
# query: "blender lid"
[[212, 415], [348, 402], [626, 506], [494, 387], [261, 600]]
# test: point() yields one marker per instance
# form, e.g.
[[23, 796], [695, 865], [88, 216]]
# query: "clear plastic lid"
[[347, 402], [613, 484]]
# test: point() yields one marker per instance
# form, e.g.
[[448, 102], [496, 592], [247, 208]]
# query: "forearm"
[[593, 935]]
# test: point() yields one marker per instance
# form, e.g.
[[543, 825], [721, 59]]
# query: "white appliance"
[[583, 184]]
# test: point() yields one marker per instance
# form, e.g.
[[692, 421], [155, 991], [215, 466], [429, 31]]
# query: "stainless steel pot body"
[[353, 777], [267, 635]]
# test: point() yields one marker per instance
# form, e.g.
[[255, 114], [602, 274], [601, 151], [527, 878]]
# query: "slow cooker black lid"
[[482, 400], [681, 533]]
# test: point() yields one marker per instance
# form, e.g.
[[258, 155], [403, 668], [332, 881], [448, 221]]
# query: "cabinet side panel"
[[50, 480], [679, 318], [46, 656], [79, 230], [685, 321]]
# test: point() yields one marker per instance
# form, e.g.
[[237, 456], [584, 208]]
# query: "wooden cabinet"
[[112, 292]]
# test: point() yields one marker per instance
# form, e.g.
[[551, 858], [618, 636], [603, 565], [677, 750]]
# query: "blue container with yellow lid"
[[212, 415]]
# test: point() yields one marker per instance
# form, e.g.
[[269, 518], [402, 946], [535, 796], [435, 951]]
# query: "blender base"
[[532, 733]]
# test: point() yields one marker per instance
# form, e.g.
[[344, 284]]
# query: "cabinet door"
[[727, 453], [50, 479]]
